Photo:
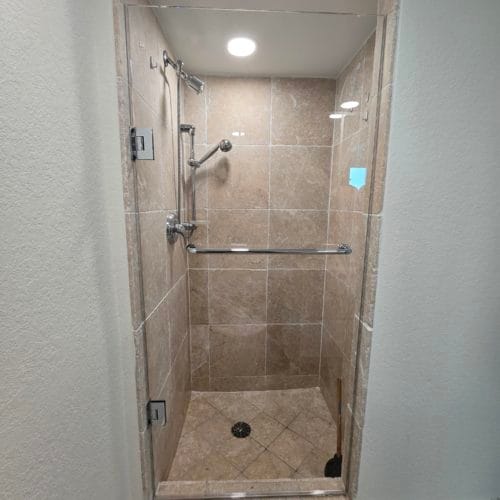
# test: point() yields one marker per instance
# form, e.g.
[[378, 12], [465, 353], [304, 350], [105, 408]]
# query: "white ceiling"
[[288, 44]]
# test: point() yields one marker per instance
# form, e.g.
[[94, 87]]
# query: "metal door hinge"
[[142, 143], [157, 413]]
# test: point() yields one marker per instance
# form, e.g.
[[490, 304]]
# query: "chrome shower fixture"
[[192, 81], [223, 145]]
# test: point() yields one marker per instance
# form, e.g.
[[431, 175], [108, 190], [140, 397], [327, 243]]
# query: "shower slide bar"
[[342, 249]]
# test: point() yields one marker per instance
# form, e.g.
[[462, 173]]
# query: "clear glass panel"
[[253, 354]]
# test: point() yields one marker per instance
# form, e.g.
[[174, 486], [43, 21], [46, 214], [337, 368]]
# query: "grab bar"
[[342, 249]]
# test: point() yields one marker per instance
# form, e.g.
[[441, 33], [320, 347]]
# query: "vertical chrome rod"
[[193, 176], [179, 143]]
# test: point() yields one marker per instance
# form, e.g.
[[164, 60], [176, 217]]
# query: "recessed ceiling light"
[[349, 105], [336, 116], [241, 47]]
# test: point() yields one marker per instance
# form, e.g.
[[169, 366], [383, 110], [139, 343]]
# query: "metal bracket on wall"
[[142, 143], [157, 413]]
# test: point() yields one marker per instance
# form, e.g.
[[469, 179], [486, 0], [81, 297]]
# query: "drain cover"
[[241, 430]]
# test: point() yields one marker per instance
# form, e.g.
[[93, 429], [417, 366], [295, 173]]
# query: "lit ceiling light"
[[241, 47], [336, 116], [350, 105]]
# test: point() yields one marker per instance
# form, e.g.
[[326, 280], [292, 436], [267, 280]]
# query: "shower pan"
[[248, 244]]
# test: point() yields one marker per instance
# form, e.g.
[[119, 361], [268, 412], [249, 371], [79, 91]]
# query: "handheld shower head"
[[223, 145]]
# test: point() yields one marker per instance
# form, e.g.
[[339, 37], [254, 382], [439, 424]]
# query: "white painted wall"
[[68, 424], [433, 413]]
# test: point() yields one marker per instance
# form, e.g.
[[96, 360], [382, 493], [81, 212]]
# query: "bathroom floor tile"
[[268, 466], [291, 448], [292, 436]]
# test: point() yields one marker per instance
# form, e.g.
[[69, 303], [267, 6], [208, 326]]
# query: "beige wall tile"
[[330, 372], [353, 152], [227, 228], [381, 153], [134, 268], [293, 349], [198, 296], [237, 297], [281, 382], [295, 296], [389, 47], [300, 177], [178, 321], [199, 353], [297, 229], [154, 264], [237, 350], [240, 178], [176, 394], [363, 361], [386, 6], [176, 258], [371, 270], [300, 110], [239, 105], [238, 383], [158, 348]]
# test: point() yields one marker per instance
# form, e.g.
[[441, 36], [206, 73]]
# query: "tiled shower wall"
[[352, 147], [158, 270], [256, 320]]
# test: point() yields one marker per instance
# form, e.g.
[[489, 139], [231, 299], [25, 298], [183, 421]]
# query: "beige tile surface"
[[239, 105], [300, 177], [295, 296], [237, 297], [208, 451], [293, 349], [228, 342], [300, 111], [240, 178]]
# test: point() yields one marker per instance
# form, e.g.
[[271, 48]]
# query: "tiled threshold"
[[263, 488]]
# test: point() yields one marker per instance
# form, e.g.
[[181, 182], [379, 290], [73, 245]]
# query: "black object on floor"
[[333, 467], [241, 430]]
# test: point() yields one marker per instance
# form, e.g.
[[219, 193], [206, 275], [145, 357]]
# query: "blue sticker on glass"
[[357, 177]]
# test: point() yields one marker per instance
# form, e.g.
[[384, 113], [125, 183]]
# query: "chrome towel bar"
[[342, 249]]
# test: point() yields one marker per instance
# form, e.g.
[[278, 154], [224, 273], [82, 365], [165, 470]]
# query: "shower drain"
[[241, 430]]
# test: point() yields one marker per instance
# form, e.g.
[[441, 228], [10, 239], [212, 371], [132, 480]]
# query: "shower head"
[[195, 83], [223, 145], [192, 81]]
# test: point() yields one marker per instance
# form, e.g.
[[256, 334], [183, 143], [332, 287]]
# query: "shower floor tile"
[[293, 435]]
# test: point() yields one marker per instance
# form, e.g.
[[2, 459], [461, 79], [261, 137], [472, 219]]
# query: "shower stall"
[[252, 188]]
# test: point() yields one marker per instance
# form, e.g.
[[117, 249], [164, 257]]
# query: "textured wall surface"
[[68, 419], [431, 428]]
